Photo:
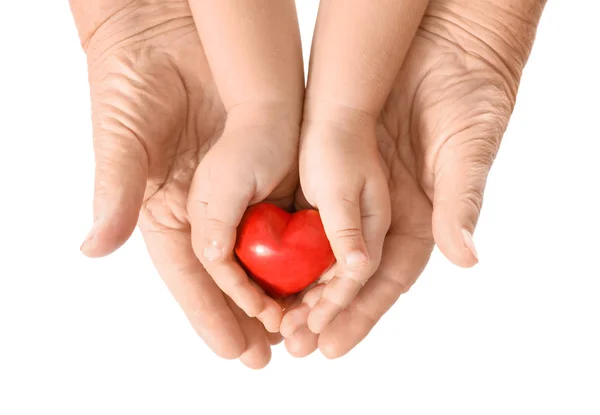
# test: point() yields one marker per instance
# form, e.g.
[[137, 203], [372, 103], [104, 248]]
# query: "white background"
[[518, 334]]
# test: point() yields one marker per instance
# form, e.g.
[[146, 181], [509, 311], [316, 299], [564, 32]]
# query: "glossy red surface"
[[283, 252]]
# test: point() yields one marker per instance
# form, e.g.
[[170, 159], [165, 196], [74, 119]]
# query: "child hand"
[[254, 160], [255, 55], [341, 174]]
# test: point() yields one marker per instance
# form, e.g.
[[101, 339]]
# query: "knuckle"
[[342, 290], [472, 200], [123, 160], [477, 152], [228, 282], [237, 285], [353, 281], [348, 202], [216, 224], [483, 151], [335, 300], [196, 209], [348, 234], [371, 315], [397, 288]]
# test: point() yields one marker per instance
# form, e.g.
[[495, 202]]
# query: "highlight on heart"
[[283, 252]]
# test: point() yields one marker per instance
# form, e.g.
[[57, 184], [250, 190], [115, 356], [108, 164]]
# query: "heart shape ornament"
[[283, 252]]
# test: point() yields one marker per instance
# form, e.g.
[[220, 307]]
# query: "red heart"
[[283, 252]]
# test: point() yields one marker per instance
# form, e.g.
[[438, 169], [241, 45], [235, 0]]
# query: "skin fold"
[[255, 53], [158, 112], [358, 48], [437, 135]]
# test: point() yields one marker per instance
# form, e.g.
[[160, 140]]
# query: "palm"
[[190, 107], [442, 91], [162, 90]]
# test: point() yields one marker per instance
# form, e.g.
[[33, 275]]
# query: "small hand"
[[438, 135], [342, 175], [255, 160], [156, 113], [254, 50]]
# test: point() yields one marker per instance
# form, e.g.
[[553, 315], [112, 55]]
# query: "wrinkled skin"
[[156, 113], [438, 135]]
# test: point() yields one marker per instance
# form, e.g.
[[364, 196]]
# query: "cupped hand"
[[255, 160], [437, 136], [343, 177], [156, 113]]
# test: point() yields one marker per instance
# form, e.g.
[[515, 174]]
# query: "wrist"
[[326, 121], [282, 116], [325, 112]]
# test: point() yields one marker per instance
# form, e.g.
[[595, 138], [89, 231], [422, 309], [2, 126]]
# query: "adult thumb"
[[461, 172], [120, 181]]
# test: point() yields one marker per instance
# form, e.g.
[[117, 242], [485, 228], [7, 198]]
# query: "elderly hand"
[[437, 136], [156, 113]]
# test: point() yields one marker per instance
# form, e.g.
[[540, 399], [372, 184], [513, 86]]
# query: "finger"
[[294, 319], [404, 258], [201, 300], [349, 278], [300, 201], [303, 343], [119, 184], [341, 215], [272, 311], [461, 173], [216, 206], [258, 350], [274, 338], [297, 316]]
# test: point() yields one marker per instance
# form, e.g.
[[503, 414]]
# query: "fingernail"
[[468, 240], [355, 258], [212, 252], [90, 236]]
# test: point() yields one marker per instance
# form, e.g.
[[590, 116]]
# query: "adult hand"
[[156, 113], [438, 135]]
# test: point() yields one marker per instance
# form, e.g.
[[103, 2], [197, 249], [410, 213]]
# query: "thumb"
[[217, 201], [342, 220], [119, 185], [461, 173]]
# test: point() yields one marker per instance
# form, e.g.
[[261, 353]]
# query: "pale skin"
[[254, 51], [158, 110], [156, 113], [355, 59], [438, 134], [357, 51], [353, 38]]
